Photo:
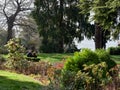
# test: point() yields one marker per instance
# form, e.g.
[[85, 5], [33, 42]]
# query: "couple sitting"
[[31, 54]]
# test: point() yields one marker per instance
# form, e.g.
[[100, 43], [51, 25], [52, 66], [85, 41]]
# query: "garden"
[[84, 70], [40, 39]]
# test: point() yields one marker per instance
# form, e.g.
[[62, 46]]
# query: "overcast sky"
[[91, 45]]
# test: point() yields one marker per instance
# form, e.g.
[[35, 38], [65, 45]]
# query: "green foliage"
[[86, 56], [14, 46], [105, 57], [102, 54], [49, 46], [67, 79], [92, 70], [57, 23], [94, 77], [16, 54], [114, 50], [89, 56], [81, 81], [106, 13], [54, 76]]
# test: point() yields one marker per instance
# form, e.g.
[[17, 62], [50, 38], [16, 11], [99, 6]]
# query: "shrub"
[[94, 77], [67, 79], [16, 54], [114, 50], [105, 57], [38, 68], [87, 65], [28, 67], [54, 77], [86, 56]]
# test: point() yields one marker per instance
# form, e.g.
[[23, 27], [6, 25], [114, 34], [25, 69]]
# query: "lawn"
[[116, 58], [13, 81], [51, 57], [54, 57]]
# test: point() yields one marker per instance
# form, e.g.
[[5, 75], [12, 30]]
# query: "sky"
[[91, 45]]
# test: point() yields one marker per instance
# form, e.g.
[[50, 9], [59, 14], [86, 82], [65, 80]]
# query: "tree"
[[59, 23], [13, 11], [105, 18], [29, 35]]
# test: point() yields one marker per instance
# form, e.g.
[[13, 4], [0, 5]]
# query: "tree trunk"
[[9, 33], [98, 37], [61, 47], [61, 39], [10, 21]]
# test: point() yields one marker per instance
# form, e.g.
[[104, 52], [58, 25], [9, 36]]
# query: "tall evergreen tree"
[[59, 23]]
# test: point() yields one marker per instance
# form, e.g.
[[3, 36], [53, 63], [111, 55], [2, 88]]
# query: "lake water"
[[91, 45]]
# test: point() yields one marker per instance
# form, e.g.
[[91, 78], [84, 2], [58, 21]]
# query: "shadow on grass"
[[9, 84]]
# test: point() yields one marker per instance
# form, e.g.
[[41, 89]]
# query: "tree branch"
[[4, 10], [25, 25], [25, 9]]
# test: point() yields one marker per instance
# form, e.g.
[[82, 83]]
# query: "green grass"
[[13, 81], [116, 58], [54, 57], [51, 57]]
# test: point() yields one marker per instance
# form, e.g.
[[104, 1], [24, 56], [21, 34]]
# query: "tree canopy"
[[59, 23], [105, 14]]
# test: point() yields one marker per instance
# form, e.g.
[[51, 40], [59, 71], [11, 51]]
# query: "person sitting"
[[34, 54], [29, 54]]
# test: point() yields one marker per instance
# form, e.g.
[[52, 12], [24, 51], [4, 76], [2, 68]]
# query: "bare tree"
[[12, 12]]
